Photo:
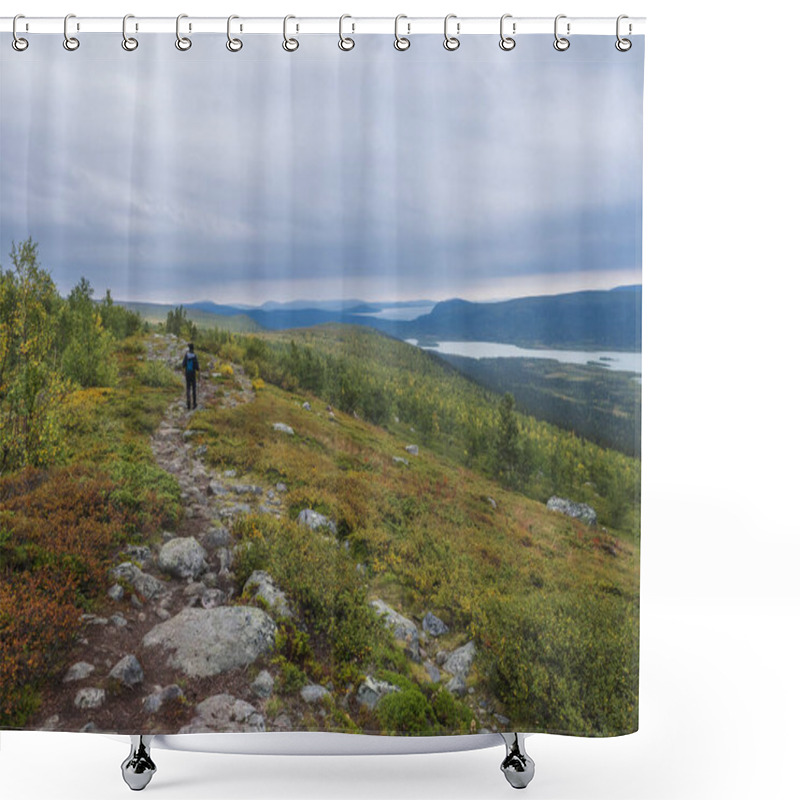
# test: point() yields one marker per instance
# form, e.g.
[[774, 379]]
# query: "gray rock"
[[283, 722], [89, 727], [247, 488], [147, 586], [263, 684], [183, 558], [492, 502], [261, 586], [217, 488], [79, 672], [217, 537], [213, 598], [118, 620], [412, 449], [585, 513], [281, 487], [307, 406], [403, 628], [194, 589], [399, 460], [201, 451], [502, 720], [280, 426], [433, 625], [235, 510], [229, 473], [459, 662], [371, 692], [51, 723], [153, 702], [90, 698], [223, 713], [128, 671], [140, 553], [116, 592], [314, 693], [433, 672], [314, 520], [457, 686], [225, 556], [203, 642]]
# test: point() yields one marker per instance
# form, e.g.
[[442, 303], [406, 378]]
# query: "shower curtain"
[[320, 380]]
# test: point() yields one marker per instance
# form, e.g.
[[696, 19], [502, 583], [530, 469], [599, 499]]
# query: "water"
[[404, 313], [609, 359]]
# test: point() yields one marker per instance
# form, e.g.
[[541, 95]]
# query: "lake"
[[609, 359]]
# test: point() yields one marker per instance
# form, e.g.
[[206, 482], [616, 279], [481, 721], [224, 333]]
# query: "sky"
[[172, 176]]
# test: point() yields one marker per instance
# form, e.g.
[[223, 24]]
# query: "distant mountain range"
[[607, 319]]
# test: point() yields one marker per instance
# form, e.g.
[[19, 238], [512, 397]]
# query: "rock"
[[283, 722], [213, 598], [194, 589], [314, 520], [307, 406], [399, 460], [403, 628], [153, 702], [459, 662], [492, 502], [183, 558], [281, 487], [412, 449], [51, 723], [201, 451], [203, 642], [225, 557], [235, 510], [79, 672], [433, 672], [502, 720], [217, 537], [229, 473], [189, 434], [147, 586], [260, 586], [217, 488], [279, 426], [433, 625], [116, 592], [247, 488], [314, 693], [89, 727], [128, 671], [139, 553], [118, 620], [457, 686], [371, 692], [585, 513], [90, 698], [223, 713], [162, 613], [263, 684]]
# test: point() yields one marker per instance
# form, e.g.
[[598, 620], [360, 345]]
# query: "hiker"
[[191, 366]]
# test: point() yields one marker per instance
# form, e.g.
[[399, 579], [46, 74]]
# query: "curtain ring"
[[289, 45], [561, 43], [70, 42], [18, 43], [623, 45], [400, 42], [234, 45], [128, 42], [183, 43], [506, 42], [345, 43], [451, 42]]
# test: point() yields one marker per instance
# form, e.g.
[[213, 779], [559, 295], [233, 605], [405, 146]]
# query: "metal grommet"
[[451, 42], [561, 43], [18, 43], [183, 43], [71, 43], [345, 43], [128, 42], [507, 42], [234, 45], [400, 42], [289, 45], [623, 45]]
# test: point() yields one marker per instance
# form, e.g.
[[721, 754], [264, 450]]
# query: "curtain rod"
[[308, 25]]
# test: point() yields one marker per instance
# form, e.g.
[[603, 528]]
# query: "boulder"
[[585, 513], [280, 426], [90, 698], [128, 671], [183, 558], [459, 662], [202, 642], [146, 586], [116, 592], [433, 672], [314, 693], [433, 625], [263, 684], [457, 686], [153, 702], [139, 553], [307, 406], [371, 692], [217, 488], [79, 672], [223, 713], [247, 488], [261, 586], [412, 449], [403, 628], [217, 537], [314, 520]]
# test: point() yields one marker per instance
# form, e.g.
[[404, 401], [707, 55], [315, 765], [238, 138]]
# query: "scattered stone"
[[399, 460], [501, 719], [492, 502], [314, 520], [213, 598], [281, 487], [263, 684], [412, 449], [201, 451], [79, 671], [217, 537], [194, 589], [162, 613], [433, 625], [118, 620], [189, 434], [235, 510], [90, 698], [457, 686], [371, 692], [229, 473], [403, 628], [223, 713], [247, 488], [585, 513], [307, 406], [51, 723], [217, 488], [283, 722], [89, 727], [209, 580], [203, 642], [128, 671], [183, 558], [143, 584], [260, 586], [314, 693], [459, 662], [433, 672], [153, 702], [116, 592], [280, 426]]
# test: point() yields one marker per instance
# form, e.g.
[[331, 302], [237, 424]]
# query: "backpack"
[[191, 360]]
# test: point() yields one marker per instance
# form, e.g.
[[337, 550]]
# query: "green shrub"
[[157, 374], [406, 711]]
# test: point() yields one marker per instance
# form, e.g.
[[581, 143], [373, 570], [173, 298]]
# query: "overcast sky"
[[264, 175]]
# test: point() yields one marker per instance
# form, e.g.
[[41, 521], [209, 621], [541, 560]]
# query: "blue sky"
[[262, 175]]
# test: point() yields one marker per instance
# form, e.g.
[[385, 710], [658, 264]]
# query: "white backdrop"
[[720, 599]]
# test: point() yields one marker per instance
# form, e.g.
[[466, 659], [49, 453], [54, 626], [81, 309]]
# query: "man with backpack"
[[191, 366]]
